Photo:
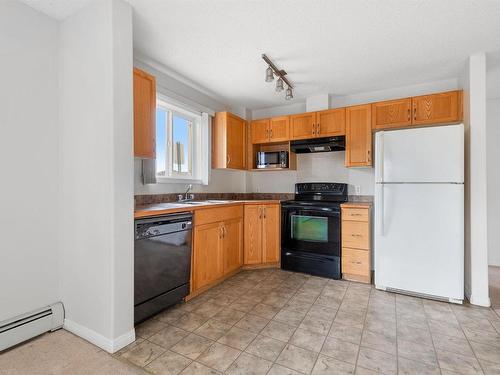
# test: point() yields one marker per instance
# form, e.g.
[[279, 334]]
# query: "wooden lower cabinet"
[[356, 242], [253, 235], [232, 244], [271, 240], [262, 234], [207, 254], [218, 245]]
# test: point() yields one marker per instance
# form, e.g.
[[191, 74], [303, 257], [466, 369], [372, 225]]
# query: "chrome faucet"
[[186, 197], [190, 186]]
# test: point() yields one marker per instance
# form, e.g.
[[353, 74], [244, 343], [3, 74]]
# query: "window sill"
[[175, 180]]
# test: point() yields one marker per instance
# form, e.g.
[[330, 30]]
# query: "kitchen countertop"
[[357, 204], [173, 207]]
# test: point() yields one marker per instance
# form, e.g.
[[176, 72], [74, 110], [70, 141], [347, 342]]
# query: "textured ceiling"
[[327, 46]]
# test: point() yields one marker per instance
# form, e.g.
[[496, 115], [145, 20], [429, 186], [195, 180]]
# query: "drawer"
[[356, 234], [355, 214], [214, 214], [355, 262]]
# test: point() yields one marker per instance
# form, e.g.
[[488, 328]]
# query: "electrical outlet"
[[357, 189]]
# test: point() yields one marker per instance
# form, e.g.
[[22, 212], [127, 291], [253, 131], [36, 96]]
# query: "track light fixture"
[[279, 85], [269, 75], [272, 71]]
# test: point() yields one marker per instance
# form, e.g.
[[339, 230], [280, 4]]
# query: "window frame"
[[195, 151]]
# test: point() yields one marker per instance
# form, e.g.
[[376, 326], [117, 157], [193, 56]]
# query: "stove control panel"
[[321, 188]]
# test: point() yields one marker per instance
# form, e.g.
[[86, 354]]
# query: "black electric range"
[[310, 234]]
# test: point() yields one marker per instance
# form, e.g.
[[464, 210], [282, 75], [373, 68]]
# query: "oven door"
[[311, 229]]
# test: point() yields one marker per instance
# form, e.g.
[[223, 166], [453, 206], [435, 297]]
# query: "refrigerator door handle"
[[379, 157], [381, 209]]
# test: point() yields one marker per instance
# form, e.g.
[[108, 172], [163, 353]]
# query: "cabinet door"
[[391, 114], [279, 129], [438, 108], [330, 123], [358, 136], [271, 233], [253, 235], [207, 255], [303, 126], [236, 145], [260, 131], [232, 244], [144, 115]]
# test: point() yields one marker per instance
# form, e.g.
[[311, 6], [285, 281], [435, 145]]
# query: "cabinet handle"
[[409, 114], [313, 129], [319, 129], [267, 133], [228, 159], [260, 212], [264, 209], [356, 235], [415, 113], [355, 214], [220, 231], [357, 262], [368, 155], [224, 231], [271, 133]]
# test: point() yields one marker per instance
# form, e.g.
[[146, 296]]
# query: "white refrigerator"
[[419, 212]]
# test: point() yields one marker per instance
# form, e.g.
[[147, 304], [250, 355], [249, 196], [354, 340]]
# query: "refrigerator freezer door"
[[419, 238], [421, 155]]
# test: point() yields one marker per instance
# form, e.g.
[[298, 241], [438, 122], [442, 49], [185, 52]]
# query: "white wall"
[[223, 181], [96, 198], [493, 157], [329, 166], [473, 83], [28, 160]]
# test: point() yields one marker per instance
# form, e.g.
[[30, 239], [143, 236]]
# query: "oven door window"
[[309, 228]]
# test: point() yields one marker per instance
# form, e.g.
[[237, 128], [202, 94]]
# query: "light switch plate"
[[357, 189]]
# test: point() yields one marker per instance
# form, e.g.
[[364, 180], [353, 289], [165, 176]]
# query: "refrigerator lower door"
[[419, 238]]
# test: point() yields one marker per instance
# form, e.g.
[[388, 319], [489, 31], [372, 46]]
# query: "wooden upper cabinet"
[[271, 233], [358, 136], [260, 131], [437, 108], [229, 141], [391, 114], [303, 126], [232, 244], [144, 115], [279, 129], [330, 122]]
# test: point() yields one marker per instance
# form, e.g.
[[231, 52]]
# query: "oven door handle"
[[311, 208]]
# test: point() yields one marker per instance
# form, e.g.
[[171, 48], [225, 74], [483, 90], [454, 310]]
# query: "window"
[[179, 144]]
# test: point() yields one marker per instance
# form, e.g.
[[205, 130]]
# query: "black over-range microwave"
[[272, 159]]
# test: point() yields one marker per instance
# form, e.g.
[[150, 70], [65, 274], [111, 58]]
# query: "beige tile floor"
[[494, 278], [281, 323]]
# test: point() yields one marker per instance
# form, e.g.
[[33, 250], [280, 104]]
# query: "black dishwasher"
[[162, 254]]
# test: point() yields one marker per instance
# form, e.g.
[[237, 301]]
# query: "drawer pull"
[[356, 235], [355, 214], [357, 262]]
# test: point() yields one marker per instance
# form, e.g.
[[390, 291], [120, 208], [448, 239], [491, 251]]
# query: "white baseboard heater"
[[26, 326]]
